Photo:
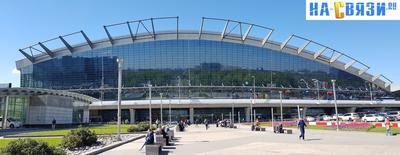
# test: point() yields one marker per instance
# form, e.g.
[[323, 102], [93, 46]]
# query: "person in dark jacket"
[[53, 124], [165, 135], [149, 138], [301, 126]]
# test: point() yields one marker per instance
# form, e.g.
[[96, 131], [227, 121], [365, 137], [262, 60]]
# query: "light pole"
[[179, 89], [233, 110], [334, 97], [272, 118], [169, 109], [161, 114], [149, 85], [280, 96], [120, 62], [5, 117], [298, 111], [316, 81], [254, 97]]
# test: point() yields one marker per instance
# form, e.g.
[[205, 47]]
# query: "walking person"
[[301, 126], [53, 124], [206, 123], [388, 124], [157, 123]]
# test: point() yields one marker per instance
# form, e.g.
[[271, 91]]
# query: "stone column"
[[85, 116], [191, 113], [352, 109], [247, 113], [132, 116], [304, 113]]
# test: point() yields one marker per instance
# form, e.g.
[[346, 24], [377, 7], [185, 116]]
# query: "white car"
[[326, 117], [340, 116], [310, 119], [11, 123], [372, 118], [350, 117], [394, 115]]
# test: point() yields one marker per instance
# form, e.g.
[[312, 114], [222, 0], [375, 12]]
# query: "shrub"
[[30, 147], [79, 138], [133, 128], [140, 127]]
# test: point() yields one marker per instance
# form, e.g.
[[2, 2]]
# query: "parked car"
[[320, 117], [394, 115], [310, 119], [373, 118], [350, 117], [339, 115], [11, 123], [326, 117], [384, 115]]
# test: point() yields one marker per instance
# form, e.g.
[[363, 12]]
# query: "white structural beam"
[[319, 52], [247, 32], [286, 42], [360, 72], [351, 63], [224, 30], [335, 57], [376, 77], [266, 38], [303, 47]]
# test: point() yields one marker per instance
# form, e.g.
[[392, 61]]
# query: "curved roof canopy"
[[229, 30], [38, 91]]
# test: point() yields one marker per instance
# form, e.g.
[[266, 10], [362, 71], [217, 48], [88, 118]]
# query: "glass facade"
[[16, 108], [204, 69]]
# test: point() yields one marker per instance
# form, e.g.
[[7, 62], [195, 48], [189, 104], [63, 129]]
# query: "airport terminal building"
[[225, 68]]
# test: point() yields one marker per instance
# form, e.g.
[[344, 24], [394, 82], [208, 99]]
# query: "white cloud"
[[15, 71]]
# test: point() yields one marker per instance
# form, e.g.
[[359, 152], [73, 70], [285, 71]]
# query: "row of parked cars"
[[371, 116]]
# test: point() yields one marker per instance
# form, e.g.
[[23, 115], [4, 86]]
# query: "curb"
[[109, 147], [58, 136]]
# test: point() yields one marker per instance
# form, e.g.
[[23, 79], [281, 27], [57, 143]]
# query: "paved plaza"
[[217, 141]]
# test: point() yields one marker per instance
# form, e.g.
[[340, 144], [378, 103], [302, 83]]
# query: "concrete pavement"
[[217, 141]]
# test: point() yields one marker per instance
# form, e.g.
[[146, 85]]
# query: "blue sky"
[[26, 22]]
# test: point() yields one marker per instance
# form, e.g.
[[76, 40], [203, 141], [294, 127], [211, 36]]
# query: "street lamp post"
[[254, 97], [298, 111], [169, 109], [179, 89], [150, 104], [280, 96], [336, 110], [120, 62], [161, 108], [233, 110]]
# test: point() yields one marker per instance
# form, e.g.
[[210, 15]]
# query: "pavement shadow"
[[164, 152], [313, 139]]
